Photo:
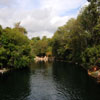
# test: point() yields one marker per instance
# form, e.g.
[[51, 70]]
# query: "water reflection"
[[42, 84], [73, 83], [49, 81]]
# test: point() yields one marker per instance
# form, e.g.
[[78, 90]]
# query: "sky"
[[39, 17]]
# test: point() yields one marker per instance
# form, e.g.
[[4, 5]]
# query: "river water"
[[49, 81]]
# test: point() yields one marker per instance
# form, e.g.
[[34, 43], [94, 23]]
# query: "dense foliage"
[[14, 48], [79, 39], [41, 47]]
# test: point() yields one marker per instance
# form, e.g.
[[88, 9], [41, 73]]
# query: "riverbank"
[[4, 70], [45, 59], [95, 74], [41, 58]]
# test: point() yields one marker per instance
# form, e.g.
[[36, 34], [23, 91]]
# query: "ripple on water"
[[48, 81]]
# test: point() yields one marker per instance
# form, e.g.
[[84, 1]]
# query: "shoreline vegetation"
[[78, 41]]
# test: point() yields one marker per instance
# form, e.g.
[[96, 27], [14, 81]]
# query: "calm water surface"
[[49, 81]]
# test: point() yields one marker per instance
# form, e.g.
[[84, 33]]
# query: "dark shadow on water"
[[74, 82], [15, 85]]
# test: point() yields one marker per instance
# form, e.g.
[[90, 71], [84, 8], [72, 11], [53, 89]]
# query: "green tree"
[[15, 49]]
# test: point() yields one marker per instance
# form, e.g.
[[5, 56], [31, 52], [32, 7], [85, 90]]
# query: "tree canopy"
[[79, 39], [14, 48]]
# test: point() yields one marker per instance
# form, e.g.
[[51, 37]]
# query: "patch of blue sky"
[[70, 12], [33, 4], [2, 6], [36, 3], [73, 11]]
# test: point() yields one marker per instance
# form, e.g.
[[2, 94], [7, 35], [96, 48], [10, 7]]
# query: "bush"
[[91, 56], [14, 50]]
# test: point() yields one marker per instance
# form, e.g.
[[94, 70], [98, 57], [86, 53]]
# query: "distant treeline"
[[78, 41]]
